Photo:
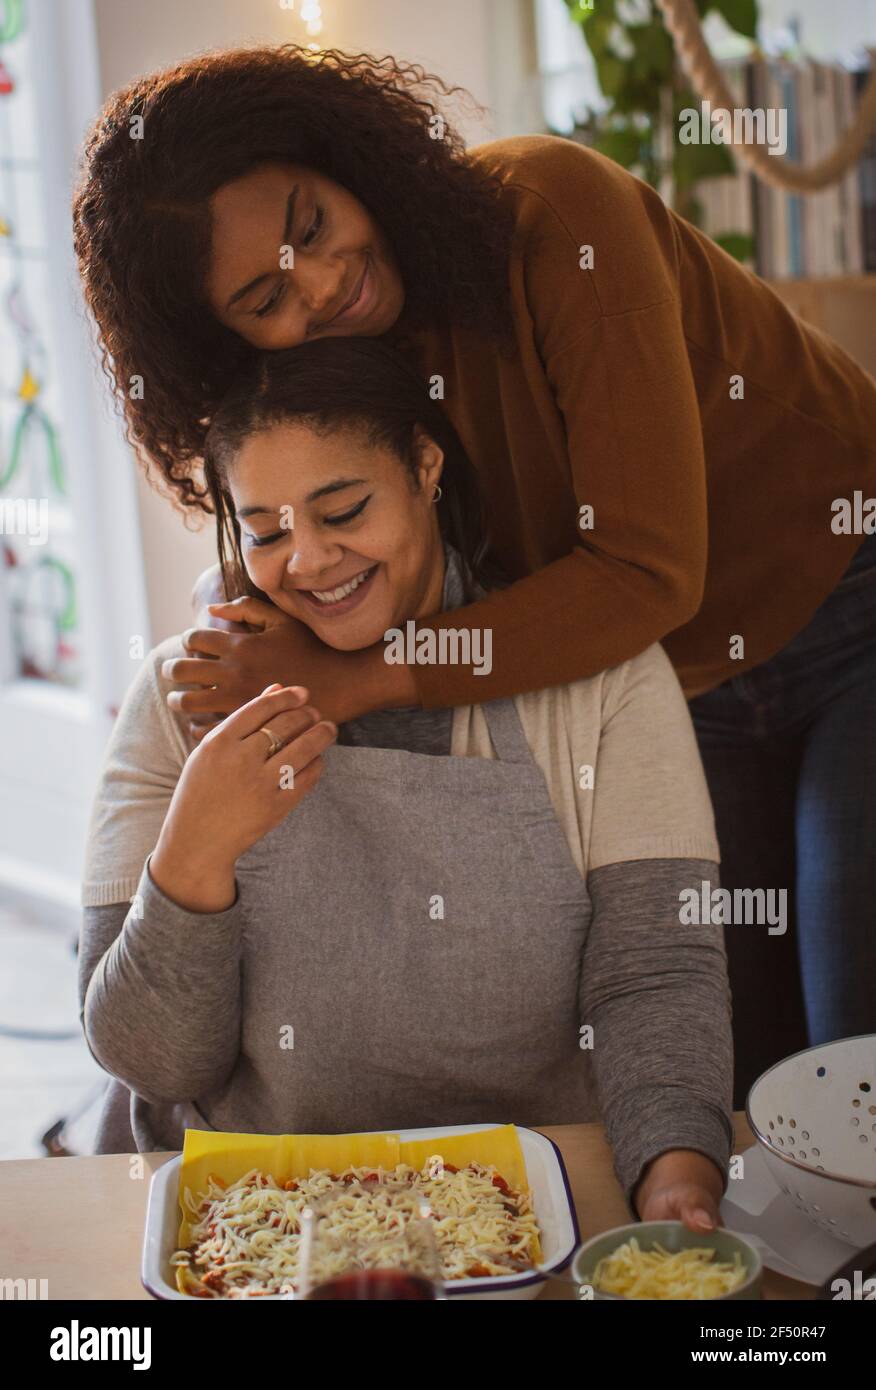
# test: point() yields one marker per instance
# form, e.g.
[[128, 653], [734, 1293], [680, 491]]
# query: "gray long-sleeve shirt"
[[162, 1013]]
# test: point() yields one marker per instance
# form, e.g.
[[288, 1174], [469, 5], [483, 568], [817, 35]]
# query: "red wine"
[[374, 1284]]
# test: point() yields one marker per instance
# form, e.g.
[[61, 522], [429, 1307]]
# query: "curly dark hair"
[[141, 217], [360, 384]]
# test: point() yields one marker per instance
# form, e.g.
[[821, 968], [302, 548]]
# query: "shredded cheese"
[[246, 1236], [658, 1273]]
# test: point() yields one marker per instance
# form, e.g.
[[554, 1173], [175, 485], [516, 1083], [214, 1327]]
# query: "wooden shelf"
[[841, 306], [866, 282]]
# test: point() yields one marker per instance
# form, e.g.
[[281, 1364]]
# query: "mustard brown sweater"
[[711, 504]]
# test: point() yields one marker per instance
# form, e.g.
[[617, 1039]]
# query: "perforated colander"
[[814, 1115]]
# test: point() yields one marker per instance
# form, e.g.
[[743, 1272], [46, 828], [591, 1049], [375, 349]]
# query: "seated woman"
[[424, 917]]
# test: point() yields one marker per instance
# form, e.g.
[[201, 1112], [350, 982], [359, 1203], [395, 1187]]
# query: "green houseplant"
[[638, 71]]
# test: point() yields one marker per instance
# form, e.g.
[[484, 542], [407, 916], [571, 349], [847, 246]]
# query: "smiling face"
[[358, 518], [341, 278]]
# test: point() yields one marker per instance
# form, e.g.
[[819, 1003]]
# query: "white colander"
[[815, 1116]]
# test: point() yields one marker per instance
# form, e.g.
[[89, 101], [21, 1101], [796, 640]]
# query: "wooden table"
[[78, 1222]]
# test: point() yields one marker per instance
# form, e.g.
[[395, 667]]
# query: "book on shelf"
[[866, 184], [797, 235]]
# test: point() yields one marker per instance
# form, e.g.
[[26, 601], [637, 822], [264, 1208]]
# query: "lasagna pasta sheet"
[[285, 1156], [497, 1146]]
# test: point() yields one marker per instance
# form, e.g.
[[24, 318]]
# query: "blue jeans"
[[789, 750]]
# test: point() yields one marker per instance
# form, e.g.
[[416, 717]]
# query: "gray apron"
[[401, 1016]]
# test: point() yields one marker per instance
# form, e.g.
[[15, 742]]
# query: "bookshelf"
[[843, 306], [818, 248]]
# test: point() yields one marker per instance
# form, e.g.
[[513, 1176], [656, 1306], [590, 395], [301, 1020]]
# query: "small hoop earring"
[[437, 494]]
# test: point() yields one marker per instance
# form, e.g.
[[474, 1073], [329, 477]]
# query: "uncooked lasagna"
[[246, 1236]]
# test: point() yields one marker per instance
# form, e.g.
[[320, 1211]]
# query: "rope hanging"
[[683, 22]]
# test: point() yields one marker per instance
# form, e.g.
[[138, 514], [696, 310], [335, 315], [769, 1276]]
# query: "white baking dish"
[[548, 1183]]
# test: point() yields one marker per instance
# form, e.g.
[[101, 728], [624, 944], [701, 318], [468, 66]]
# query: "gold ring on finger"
[[276, 743]]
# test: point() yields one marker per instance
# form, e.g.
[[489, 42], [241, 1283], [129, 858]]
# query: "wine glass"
[[374, 1240]]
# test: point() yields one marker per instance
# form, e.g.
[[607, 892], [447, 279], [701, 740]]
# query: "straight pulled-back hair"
[[345, 383]]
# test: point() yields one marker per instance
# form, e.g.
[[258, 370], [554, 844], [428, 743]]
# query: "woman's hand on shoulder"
[[214, 612], [241, 781], [228, 668], [681, 1185]]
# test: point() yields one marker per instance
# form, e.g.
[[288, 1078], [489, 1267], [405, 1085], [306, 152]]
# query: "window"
[[71, 577], [39, 585]]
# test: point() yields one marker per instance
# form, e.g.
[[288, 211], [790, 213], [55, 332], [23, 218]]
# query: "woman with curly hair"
[[665, 449]]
